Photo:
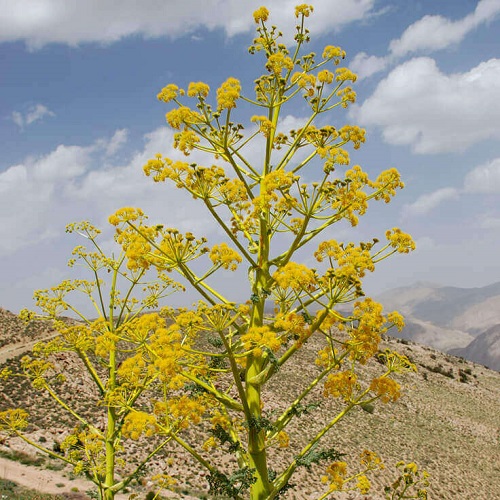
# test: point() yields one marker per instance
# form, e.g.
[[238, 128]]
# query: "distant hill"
[[484, 349], [451, 319]]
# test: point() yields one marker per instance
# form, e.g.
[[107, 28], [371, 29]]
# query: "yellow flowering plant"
[[128, 357], [210, 366], [258, 207]]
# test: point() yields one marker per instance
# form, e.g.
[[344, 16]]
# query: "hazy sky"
[[79, 118]]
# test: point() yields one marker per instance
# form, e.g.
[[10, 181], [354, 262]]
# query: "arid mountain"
[[446, 421], [454, 320], [484, 349]]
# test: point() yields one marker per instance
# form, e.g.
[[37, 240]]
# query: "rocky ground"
[[447, 421]]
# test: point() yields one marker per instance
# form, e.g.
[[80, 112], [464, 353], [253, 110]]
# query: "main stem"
[[109, 480], [262, 488], [256, 435]]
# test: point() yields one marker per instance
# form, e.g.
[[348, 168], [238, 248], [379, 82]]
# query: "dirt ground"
[[43, 480]]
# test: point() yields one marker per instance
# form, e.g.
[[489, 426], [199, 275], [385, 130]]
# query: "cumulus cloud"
[[39, 196], [437, 32], [420, 106], [34, 113], [365, 65], [113, 145], [429, 34], [484, 178], [40, 22], [428, 202]]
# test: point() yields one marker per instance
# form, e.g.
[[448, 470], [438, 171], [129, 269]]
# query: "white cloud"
[[39, 22], [484, 178], [429, 34], [41, 195], [436, 32], [427, 202], [115, 143], [418, 105], [34, 113], [364, 65]]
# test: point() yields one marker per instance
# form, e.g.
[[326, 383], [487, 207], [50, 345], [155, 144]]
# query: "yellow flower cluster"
[[305, 81], [402, 242], [189, 321], [36, 370], [283, 439], [352, 261], [335, 53], [133, 371], [186, 411], [295, 276], [200, 181], [13, 420], [345, 74], [224, 256], [370, 460], [233, 191], [325, 76], [340, 384], [349, 198], [228, 93], [265, 125], [303, 10], [137, 423], [83, 227], [365, 337], [363, 484], [168, 353], [105, 344], [221, 420], [277, 180], [170, 92], [125, 214], [347, 95], [77, 337], [198, 89], [278, 62], [293, 324], [175, 249], [321, 138], [139, 329], [388, 181], [354, 134], [183, 116], [386, 389], [136, 245], [186, 141], [396, 362], [261, 14], [397, 320], [333, 156], [336, 475], [326, 357], [259, 337]]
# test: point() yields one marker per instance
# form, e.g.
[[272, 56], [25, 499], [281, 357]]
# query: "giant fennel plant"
[[204, 369]]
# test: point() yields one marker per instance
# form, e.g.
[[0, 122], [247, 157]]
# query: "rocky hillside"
[[447, 421], [13, 330]]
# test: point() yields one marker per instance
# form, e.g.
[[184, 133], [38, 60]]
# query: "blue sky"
[[79, 118]]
